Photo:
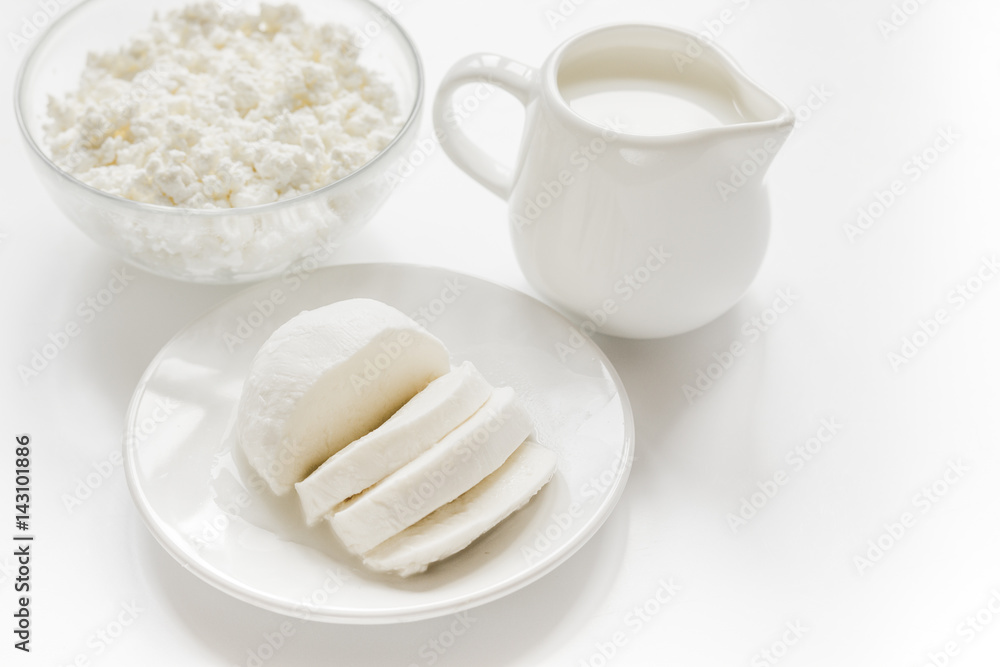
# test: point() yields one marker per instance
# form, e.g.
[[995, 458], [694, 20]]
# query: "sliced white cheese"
[[425, 419], [453, 527], [327, 377], [444, 472]]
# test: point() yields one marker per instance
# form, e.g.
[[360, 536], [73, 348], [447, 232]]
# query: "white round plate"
[[196, 493]]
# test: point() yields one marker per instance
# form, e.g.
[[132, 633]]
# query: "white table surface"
[[795, 563]]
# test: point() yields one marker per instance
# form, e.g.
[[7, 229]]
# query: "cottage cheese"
[[212, 108]]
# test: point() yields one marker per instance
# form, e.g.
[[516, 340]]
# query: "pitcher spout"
[[749, 148], [744, 153], [744, 149]]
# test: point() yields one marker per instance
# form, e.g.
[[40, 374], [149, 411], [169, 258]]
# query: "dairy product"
[[409, 461], [217, 109], [327, 377], [445, 471], [642, 94], [420, 423], [454, 526]]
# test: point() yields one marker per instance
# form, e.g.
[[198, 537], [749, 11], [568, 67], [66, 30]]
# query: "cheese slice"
[[445, 471], [425, 419], [454, 526], [327, 377]]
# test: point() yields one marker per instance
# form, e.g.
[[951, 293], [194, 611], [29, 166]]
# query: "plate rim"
[[224, 582]]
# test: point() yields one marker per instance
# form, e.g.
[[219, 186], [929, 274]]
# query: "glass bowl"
[[218, 246]]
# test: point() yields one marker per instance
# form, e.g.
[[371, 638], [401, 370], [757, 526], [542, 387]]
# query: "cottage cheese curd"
[[218, 109]]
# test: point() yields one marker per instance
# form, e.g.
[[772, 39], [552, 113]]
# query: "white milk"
[[645, 103]]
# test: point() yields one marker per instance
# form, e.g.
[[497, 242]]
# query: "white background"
[[888, 96]]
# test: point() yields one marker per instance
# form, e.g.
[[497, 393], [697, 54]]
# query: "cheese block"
[[424, 420], [327, 377], [448, 469], [454, 526]]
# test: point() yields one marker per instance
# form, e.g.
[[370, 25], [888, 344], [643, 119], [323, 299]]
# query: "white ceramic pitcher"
[[653, 219]]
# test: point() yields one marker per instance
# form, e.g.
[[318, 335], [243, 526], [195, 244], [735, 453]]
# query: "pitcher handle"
[[517, 79]]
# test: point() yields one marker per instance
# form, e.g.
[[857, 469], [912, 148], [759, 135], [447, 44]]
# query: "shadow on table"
[[126, 335], [656, 372]]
